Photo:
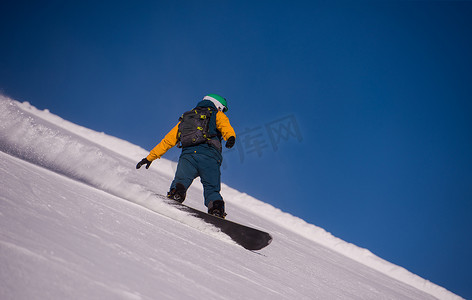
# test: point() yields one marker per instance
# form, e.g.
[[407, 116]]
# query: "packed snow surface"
[[78, 221]]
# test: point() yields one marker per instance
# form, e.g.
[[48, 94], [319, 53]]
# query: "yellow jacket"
[[170, 140]]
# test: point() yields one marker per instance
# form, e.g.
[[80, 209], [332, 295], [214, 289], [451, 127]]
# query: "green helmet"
[[219, 101]]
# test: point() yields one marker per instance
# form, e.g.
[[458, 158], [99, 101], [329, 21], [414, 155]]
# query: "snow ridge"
[[107, 163]]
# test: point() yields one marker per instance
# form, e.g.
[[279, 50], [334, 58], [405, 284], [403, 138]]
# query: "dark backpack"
[[193, 127]]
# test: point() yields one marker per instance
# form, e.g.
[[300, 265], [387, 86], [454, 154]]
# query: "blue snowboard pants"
[[193, 165]]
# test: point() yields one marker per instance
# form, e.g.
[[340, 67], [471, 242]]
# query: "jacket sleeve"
[[169, 141], [223, 126]]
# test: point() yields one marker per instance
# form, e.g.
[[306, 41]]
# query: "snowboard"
[[248, 237]]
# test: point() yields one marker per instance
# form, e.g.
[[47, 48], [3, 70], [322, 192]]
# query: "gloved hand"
[[144, 161], [230, 142]]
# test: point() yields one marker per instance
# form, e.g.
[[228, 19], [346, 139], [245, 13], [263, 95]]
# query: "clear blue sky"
[[355, 116]]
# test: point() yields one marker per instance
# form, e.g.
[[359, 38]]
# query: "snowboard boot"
[[178, 193], [217, 208]]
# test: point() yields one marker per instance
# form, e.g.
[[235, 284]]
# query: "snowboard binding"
[[178, 193], [217, 208]]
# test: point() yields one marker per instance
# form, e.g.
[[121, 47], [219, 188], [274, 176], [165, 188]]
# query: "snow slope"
[[78, 221]]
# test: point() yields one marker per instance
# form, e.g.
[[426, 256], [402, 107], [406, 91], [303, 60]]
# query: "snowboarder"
[[199, 134]]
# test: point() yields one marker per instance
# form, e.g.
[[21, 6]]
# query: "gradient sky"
[[353, 115]]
